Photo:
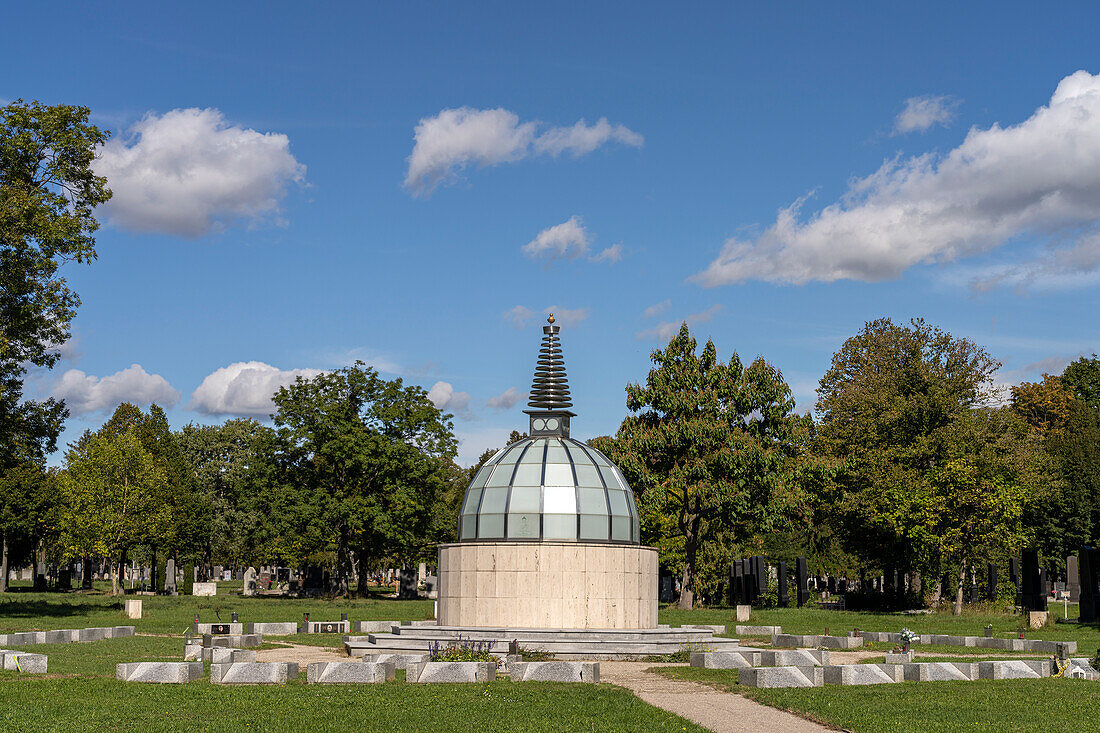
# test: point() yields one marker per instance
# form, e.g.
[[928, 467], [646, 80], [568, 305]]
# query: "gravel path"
[[301, 653], [723, 712]]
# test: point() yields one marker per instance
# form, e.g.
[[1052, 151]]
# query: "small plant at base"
[[463, 650], [1096, 660]]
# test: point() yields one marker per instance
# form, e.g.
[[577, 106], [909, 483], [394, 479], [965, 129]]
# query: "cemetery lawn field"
[[926, 707], [22, 610], [97, 703]]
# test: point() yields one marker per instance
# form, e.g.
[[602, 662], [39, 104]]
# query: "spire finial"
[[550, 388]]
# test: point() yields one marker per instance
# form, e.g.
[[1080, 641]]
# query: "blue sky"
[[414, 185]]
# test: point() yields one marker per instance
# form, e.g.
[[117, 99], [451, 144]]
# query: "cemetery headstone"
[[1086, 560], [249, 588], [782, 572], [1032, 590], [991, 582], [408, 587], [801, 581], [170, 577], [1014, 578], [1073, 578], [759, 570]]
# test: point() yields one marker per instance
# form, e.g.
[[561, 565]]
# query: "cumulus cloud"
[[455, 138], [658, 308], [921, 113], [663, 332], [444, 397], [506, 400], [244, 389], [520, 316], [611, 255], [1057, 267], [1039, 178], [568, 239], [581, 138], [84, 393], [189, 172]]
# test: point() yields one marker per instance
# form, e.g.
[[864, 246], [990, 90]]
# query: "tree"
[[1082, 378], [890, 407], [1044, 405], [363, 461], [232, 464], [973, 511], [47, 196], [113, 491], [707, 447]]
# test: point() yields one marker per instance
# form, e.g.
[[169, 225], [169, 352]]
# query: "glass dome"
[[549, 488]]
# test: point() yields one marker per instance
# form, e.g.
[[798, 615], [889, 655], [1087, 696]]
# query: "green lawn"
[[927, 707], [26, 611], [80, 693]]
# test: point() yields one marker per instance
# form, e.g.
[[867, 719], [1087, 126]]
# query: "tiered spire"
[[550, 389]]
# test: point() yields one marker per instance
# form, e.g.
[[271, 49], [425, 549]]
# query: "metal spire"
[[550, 388]]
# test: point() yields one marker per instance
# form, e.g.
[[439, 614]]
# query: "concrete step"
[[564, 644]]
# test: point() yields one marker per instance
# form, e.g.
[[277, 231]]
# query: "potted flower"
[[907, 637]]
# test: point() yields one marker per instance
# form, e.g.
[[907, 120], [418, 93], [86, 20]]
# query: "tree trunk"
[[691, 549], [4, 567], [362, 590], [154, 584], [957, 610]]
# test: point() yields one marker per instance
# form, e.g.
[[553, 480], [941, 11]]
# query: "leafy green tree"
[[233, 466], [113, 491], [890, 407], [1082, 377], [971, 509], [707, 448], [48, 193], [364, 460]]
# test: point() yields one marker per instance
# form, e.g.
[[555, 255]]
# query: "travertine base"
[[556, 585]]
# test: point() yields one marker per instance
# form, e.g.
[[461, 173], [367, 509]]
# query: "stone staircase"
[[562, 643]]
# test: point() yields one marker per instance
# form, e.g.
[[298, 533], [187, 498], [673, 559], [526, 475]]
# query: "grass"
[[925, 707], [815, 621], [80, 693], [27, 611]]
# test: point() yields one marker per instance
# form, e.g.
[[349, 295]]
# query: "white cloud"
[[188, 172], [658, 308], [1039, 178], [664, 332], [444, 397], [611, 255], [921, 113], [581, 139], [520, 315], [244, 388], [507, 399], [455, 138], [84, 393], [566, 317], [568, 239], [1057, 267]]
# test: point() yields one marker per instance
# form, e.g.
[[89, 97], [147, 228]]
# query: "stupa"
[[548, 530]]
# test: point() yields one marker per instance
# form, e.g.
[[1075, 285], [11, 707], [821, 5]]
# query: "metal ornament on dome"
[[548, 486]]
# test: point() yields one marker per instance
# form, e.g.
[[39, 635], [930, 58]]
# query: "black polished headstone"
[[781, 571], [1086, 568], [1032, 589], [801, 581], [991, 582]]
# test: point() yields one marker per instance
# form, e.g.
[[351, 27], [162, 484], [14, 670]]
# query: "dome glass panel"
[[549, 488]]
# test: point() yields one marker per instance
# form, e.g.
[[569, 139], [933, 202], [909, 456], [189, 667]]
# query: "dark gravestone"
[[746, 579], [330, 628], [220, 628], [65, 578], [1014, 578], [666, 595], [1086, 568], [760, 572], [803, 588], [1032, 591], [736, 582], [831, 585], [781, 571], [407, 588], [991, 582]]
